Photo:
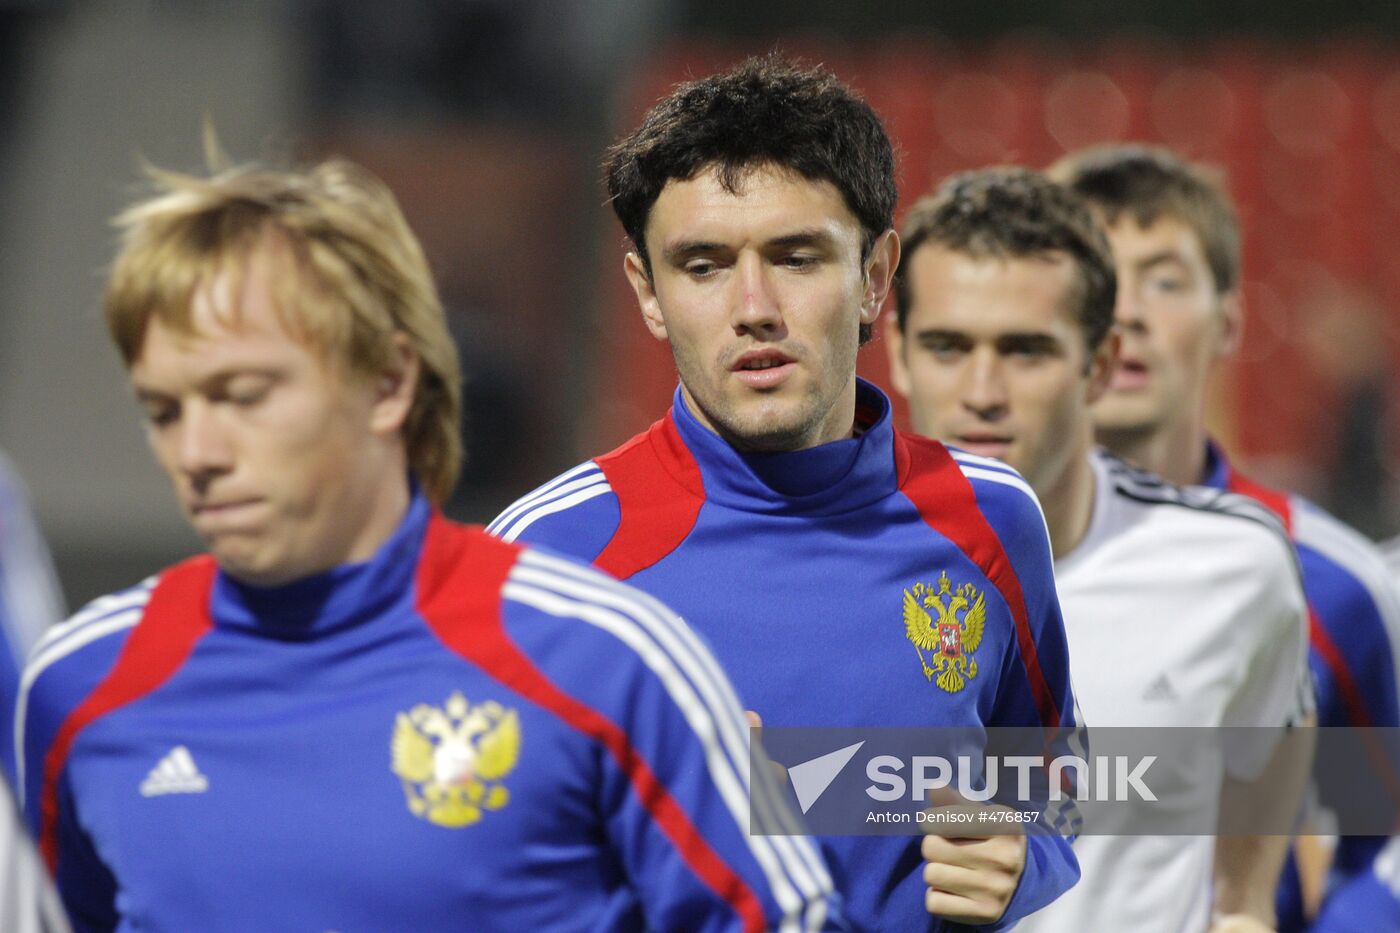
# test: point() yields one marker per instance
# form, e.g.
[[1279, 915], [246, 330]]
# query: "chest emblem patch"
[[946, 637], [452, 759]]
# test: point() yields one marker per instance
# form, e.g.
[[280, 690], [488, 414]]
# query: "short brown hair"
[[364, 280], [1012, 212], [1149, 182]]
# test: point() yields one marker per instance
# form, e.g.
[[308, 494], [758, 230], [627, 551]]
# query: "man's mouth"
[[221, 513], [984, 445], [1130, 374], [763, 369]]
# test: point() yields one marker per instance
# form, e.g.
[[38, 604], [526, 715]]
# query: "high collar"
[[341, 597], [826, 479], [1217, 470]]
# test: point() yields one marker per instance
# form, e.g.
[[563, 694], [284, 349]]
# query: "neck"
[[836, 423], [1068, 501], [1176, 451]]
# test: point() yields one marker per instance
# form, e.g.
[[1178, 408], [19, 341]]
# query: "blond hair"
[[364, 280]]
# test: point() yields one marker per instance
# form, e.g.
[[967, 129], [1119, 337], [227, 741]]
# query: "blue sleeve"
[[65, 667], [85, 886], [576, 513], [1365, 902], [675, 800], [1357, 624], [1051, 866]]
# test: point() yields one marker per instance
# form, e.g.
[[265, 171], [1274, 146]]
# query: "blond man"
[[350, 713]]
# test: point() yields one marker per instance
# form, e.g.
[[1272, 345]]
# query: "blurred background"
[[488, 119]]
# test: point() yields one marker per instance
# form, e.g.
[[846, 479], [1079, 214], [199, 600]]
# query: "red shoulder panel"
[[176, 617], [1318, 637], [659, 492], [933, 481], [460, 579], [1276, 501]]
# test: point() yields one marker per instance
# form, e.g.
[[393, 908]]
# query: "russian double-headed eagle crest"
[[950, 639], [451, 759]]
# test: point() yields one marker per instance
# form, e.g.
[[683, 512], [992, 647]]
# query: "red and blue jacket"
[[795, 566], [457, 734], [1353, 630]]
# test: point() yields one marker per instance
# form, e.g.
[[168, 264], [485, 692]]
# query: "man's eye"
[[944, 352], [1168, 284], [799, 261], [246, 393], [700, 268], [160, 416], [246, 398]]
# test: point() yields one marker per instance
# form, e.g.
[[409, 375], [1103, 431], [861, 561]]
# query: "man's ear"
[[395, 389], [1231, 322], [894, 346], [641, 283], [1102, 364], [879, 270]]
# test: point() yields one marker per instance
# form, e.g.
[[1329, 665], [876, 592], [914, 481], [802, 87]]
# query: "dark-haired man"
[[775, 505], [1181, 610], [1176, 241]]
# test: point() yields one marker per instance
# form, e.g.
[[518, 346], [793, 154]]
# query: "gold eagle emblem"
[[451, 759], [950, 639]]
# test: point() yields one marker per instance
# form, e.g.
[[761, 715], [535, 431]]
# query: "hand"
[[970, 879], [756, 722], [1238, 923]]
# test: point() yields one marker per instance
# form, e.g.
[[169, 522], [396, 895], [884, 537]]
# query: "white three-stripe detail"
[[55, 650], [581, 477], [562, 589]]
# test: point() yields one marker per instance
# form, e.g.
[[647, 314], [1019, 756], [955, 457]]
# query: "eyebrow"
[[1015, 339], [813, 237], [217, 379], [687, 248], [684, 249], [939, 333], [1028, 340], [1159, 258]]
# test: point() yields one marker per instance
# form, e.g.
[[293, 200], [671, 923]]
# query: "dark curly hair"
[[766, 111], [1007, 213]]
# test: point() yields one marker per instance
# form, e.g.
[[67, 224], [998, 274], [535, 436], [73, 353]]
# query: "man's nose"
[[203, 447], [757, 308], [984, 392]]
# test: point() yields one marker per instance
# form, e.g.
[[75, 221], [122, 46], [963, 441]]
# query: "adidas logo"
[[1160, 691], [175, 774]]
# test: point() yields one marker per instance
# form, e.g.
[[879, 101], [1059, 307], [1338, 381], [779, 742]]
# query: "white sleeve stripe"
[[525, 502], [575, 478], [598, 488], [98, 609], [669, 629], [44, 658], [1013, 480], [664, 626], [963, 456], [701, 720], [1387, 866], [683, 642]]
